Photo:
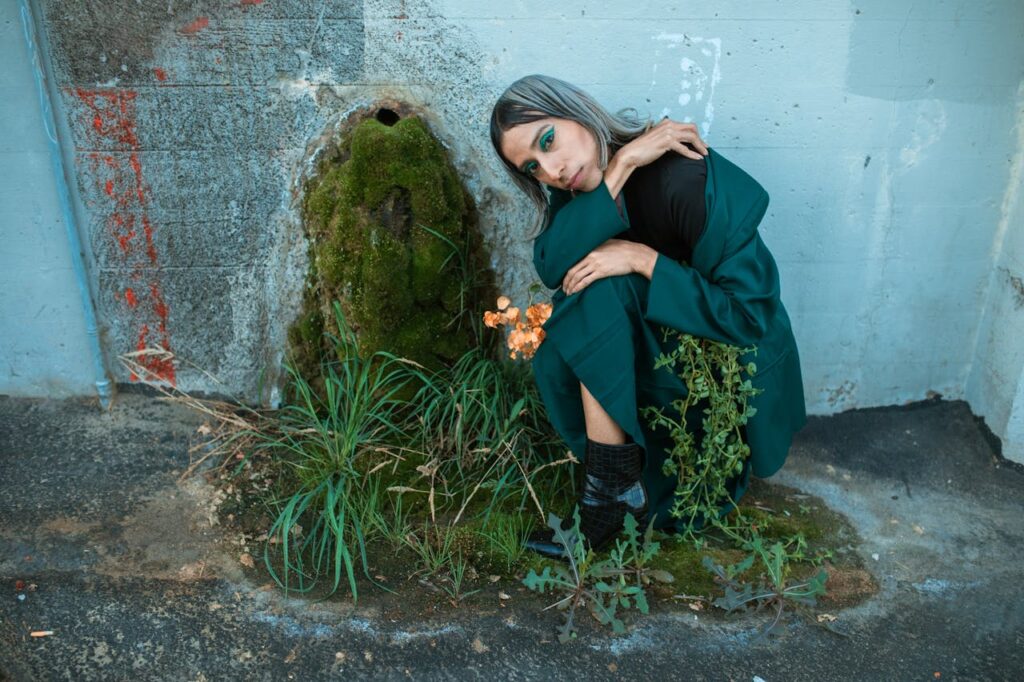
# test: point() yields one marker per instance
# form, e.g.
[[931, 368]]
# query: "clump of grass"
[[506, 540], [362, 463], [483, 422], [330, 441]]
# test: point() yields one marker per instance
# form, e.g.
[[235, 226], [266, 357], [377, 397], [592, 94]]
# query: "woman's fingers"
[[685, 132], [689, 134], [574, 280], [687, 152], [572, 277]]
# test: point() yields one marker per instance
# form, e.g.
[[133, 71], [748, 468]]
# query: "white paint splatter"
[[928, 129], [701, 71]]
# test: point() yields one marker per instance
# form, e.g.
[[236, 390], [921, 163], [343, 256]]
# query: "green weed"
[[602, 586]]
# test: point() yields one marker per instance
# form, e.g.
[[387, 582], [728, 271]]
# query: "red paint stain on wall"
[[160, 74], [196, 26], [112, 114]]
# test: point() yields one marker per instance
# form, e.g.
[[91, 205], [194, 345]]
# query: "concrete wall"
[[884, 132], [43, 344], [995, 386]]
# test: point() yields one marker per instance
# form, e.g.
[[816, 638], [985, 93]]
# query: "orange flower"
[[524, 338], [538, 313]]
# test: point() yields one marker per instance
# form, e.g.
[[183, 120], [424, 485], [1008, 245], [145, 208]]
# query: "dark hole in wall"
[[388, 117]]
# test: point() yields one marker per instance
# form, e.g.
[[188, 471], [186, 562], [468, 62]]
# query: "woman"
[[645, 227]]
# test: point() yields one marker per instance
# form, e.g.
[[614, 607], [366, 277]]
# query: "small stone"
[[875, 556]]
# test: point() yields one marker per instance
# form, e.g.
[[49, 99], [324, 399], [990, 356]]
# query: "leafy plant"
[[716, 385], [602, 586], [775, 592], [719, 389], [635, 555]]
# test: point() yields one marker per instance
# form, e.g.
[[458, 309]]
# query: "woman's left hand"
[[613, 257]]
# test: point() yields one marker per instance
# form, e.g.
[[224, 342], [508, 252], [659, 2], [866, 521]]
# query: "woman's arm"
[[651, 146], [733, 300], [579, 225], [734, 297], [673, 195], [735, 305], [576, 228]]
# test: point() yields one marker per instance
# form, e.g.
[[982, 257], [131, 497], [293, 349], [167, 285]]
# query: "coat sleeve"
[[737, 300], [576, 227]]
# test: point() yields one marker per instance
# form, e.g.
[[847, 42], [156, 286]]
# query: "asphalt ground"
[[137, 579]]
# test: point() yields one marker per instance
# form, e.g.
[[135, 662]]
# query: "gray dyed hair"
[[536, 96]]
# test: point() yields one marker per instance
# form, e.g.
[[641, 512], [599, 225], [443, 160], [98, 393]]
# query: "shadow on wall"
[[906, 51]]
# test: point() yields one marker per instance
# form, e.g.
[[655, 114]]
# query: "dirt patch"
[[69, 525], [174, 535], [847, 586]]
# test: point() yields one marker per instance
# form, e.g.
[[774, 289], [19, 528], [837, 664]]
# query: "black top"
[[665, 205]]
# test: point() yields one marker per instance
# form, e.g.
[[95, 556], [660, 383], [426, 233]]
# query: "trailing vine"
[[718, 391]]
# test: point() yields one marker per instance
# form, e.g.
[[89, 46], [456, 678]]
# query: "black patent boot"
[[612, 486]]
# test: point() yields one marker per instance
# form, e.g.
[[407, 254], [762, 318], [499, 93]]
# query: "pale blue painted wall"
[[43, 346], [887, 134]]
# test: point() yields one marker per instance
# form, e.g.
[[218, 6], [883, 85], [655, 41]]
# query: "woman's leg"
[[600, 426]]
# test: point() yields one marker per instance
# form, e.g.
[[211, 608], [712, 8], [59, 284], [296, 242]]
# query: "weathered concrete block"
[[202, 42], [147, 308]]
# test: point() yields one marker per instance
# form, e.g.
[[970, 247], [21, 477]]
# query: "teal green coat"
[[608, 334]]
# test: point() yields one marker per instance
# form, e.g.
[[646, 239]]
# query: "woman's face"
[[556, 151]]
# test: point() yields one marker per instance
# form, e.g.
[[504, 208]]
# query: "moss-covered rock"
[[394, 239]]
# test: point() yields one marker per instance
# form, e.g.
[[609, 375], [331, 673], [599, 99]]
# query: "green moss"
[[383, 216], [684, 562]]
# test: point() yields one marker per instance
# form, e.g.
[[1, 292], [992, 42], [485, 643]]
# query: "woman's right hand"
[[664, 136], [649, 146]]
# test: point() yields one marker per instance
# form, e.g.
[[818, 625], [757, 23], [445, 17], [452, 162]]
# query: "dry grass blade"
[[226, 415], [483, 479]]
